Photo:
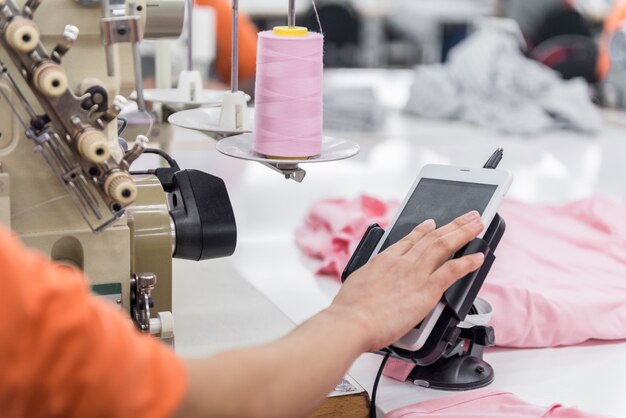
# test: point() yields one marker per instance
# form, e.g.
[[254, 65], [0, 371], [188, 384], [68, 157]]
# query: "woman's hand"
[[380, 302], [398, 287]]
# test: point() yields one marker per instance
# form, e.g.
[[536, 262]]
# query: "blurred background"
[[524, 48]]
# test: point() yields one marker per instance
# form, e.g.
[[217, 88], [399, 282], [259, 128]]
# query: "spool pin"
[[50, 79], [22, 34], [93, 146], [120, 187]]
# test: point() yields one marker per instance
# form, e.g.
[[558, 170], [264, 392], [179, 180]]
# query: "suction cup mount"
[[459, 369]]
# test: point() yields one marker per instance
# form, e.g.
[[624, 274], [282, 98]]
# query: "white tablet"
[[443, 193]]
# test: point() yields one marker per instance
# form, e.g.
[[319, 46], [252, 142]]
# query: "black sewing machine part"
[[202, 214], [200, 208]]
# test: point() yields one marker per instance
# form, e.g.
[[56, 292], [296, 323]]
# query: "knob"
[[93, 146], [22, 34], [120, 187], [50, 79]]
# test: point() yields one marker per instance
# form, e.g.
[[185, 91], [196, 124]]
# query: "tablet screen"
[[441, 200]]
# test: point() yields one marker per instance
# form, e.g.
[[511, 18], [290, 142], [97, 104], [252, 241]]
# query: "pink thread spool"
[[288, 105]]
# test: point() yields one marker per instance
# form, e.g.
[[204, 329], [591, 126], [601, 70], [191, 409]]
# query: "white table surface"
[[556, 167]]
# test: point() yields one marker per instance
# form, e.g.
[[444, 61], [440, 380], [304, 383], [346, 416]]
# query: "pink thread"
[[288, 96]]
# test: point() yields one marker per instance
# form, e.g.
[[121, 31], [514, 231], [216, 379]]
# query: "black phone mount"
[[451, 358]]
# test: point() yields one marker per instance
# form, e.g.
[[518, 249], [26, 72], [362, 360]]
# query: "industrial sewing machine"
[[65, 181]]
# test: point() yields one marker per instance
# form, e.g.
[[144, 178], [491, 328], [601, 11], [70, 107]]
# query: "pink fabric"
[[334, 227], [559, 277], [398, 369], [485, 404]]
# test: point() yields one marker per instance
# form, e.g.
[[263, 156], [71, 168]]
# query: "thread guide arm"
[[70, 131]]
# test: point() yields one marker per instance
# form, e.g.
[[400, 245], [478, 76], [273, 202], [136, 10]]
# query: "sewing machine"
[[65, 181]]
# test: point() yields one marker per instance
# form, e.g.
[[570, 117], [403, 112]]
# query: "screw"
[[146, 280], [480, 369]]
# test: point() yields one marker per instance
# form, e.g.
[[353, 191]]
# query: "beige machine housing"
[[38, 207]]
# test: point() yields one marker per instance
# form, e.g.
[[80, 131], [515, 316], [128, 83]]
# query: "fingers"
[[458, 223], [453, 270], [441, 244], [416, 235]]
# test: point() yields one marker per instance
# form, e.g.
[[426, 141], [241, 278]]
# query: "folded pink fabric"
[[334, 227], [485, 404], [559, 277]]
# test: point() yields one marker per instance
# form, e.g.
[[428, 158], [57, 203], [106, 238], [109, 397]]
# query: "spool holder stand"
[[291, 171], [232, 126], [452, 357], [242, 147]]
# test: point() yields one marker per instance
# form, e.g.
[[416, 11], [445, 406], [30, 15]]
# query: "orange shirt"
[[247, 40], [65, 353]]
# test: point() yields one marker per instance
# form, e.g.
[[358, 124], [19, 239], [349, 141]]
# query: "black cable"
[[376, 381], [163, 155], [142, 173]]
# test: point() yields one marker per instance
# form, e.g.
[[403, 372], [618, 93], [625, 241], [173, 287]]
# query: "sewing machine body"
[[35, 203]]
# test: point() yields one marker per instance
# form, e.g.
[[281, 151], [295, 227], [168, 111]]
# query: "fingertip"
[[471, 216], [428, 224], [477, 259], [477, 225]]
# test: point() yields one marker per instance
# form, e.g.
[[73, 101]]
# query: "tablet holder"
[[451, 358]]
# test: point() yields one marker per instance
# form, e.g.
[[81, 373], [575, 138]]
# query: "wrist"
[[354, 324]]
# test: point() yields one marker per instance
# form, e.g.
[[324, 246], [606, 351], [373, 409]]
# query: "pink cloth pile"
[[559, 277], [485, 404]]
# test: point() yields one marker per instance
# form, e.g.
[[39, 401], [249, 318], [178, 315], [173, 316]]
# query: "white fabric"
[[489, 82], [481, 318]]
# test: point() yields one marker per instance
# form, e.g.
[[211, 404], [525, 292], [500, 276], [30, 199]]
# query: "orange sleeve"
[[247, 41], [615, 20], [66, 353]]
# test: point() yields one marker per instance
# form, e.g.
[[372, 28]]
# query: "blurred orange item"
[[613, 23], [65, 353], [247, 41]]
